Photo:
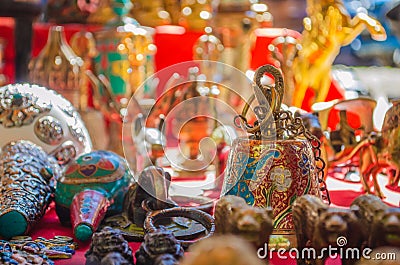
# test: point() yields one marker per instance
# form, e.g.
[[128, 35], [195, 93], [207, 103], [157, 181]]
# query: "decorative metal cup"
[[272, 173]]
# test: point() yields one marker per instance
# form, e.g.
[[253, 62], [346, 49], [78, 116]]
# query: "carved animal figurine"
[[105, 244], [152, 186], [114, 258], [165, 259], [222, 250], [159, 247], [380, 223], [327, 28], [322, 226], [234, 216]]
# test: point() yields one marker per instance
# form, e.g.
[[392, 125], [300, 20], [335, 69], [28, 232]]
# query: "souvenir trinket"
[[150, 13], [222, 250], [187, 237], [24, 250], [196, 15], [327, 28], [150, 142], [41, 249], [148, 196], [379, 223], [372, 152], [45, 118], [320, 226], [109, 247], [58, 67], [234, 216], [151, 188], [159, 245], [389, 157], [27, 176], [124, 50], [94, 185], [279, 162]]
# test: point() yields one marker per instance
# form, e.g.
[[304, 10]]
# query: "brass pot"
[[58, 67]]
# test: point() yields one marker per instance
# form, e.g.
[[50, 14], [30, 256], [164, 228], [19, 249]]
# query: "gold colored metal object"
[[282, 126], [207, 47], [327, 28], [150, 13], [123, 62], [104, 13], [196, 15], [173, 8], [58, 67], [84, 46], [279, 161], [374, 151]]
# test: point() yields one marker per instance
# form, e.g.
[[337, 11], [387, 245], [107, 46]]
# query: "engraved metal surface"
[[27, 177], [19, 108], [49, 130]]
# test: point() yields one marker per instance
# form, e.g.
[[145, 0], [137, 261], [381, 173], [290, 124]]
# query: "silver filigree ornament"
[[19, 108], [49, 130], [44, 117]]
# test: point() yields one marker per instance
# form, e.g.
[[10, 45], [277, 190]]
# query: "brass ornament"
[[327, 27], [275, 123]]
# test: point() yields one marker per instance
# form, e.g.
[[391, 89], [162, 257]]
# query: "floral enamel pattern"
[[273, 174], [281, 178]]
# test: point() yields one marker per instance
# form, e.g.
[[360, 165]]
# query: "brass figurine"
[[327, 28], [372, 152], [284, 49]]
